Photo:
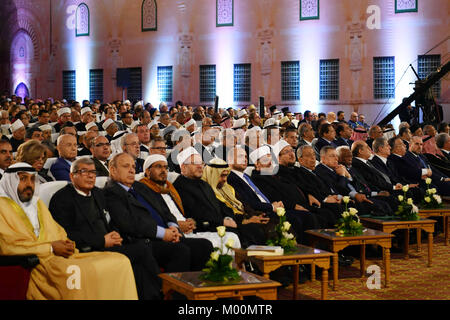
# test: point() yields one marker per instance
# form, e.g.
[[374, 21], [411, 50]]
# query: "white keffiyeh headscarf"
[[8, 188]]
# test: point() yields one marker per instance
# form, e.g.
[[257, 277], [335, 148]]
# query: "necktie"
[[385, 177], [424, 165], [255, 188], [149, 208]]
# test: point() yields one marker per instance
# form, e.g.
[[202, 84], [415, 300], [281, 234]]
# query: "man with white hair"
[[135, 213], [27, 227], [130, 145], [67, 148]]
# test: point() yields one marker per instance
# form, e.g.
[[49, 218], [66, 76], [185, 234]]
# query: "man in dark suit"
[[343, 135], [205, 148], [418, 169], [6, 157], [374, 133], [246, 191], [336, 175], [287, 173], [80, 208], [405, 134], [382, 150], [133, 212], [327, 134], [101, 150], [443, 143], [67, 149], [86, 142]]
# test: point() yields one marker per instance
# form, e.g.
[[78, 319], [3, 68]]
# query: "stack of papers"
[[265, 251]]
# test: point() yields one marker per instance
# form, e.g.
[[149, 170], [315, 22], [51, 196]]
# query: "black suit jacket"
[[201, 204], [312, 184], [78, 224], [206, 155], [100, 168], [277, 190], [321, 142], [388, 170], [246, 195], [414, 168], [130, 217], [341, 142], [338, 183], [373, 178]]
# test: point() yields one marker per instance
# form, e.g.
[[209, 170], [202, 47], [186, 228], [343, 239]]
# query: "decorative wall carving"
[[149, 15], [224, 13], [405, 6], [82, 20], [309, 9]]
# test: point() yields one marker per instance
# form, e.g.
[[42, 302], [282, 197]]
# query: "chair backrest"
[[49, 162], [249, 171], [55, 137], [139, 176], [172, 176], [48, 189], [100, 182]]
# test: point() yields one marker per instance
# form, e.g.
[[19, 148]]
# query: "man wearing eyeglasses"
[[101, 150], [80, 208], [130, 145]]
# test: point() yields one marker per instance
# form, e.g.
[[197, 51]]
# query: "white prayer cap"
[[185, 154], [239, 123], [280, 145], [152, 159], [45, 127], [284, 120], [127, 102], [134, 124], [151, 124], [17, 125], [139, 103], [259, 153], [241, 113], [63, 111], [107, 123], [90, 125], [85, 109], [270, 123], [190, 123]]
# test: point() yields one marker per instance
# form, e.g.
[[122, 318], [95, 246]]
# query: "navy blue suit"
[[342, 142], [414, 170], [61, 170], [246, 195], [321, 142]]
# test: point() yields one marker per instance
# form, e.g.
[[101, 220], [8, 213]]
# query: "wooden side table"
[[189, 284], [444, 213], [303, 255], [389, 226], [337, 243]]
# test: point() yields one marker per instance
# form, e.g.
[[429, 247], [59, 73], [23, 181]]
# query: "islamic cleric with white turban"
[[28, 228]]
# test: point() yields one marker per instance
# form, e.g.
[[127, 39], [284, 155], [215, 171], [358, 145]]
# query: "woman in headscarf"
[[252, 224]]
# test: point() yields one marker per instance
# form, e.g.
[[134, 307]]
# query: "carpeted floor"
[[410, 279]]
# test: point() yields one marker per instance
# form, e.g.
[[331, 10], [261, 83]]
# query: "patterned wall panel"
[[224, 13], [82, 20], [309, 9], [149, 15], [406, 6]]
